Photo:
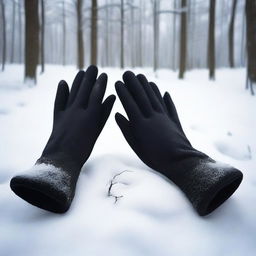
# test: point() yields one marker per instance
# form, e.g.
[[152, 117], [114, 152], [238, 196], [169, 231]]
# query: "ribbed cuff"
[[207, 183], [47, 185]]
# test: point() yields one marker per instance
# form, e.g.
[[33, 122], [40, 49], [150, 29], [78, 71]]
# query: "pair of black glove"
[[153, 131]]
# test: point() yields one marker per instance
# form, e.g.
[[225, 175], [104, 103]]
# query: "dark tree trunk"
[[80, 41], [251, 43], [122, 35], [133, 51], [140, 36], [32, 39], [183, 41], [94, 29], [42, 35], [174, 38], [106, 36], [155, 34], [4, 34], [211, 40], [243, 46], [20, 33], [231, 35], [63, 34], [13, 30]]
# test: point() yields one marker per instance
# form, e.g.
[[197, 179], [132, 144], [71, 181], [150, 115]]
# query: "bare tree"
[[242, 52], [63, 33], [4, 33], [80, 41], [13, 30], [155, 33], [106, 35], [122, 34], [42, 35], [94, 29], [174, 38], [140, 35], [132, 45], [211, 40], [31, 39], [231, 35], [183, 41], [20, 32], [250, 8]]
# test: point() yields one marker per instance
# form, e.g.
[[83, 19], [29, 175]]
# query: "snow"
[[151, 216], [49, 174]]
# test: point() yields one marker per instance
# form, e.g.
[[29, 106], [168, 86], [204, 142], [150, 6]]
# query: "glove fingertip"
[[103, 78], [127, 75], [92, 69], [61, 96], [63, 85], [142, 78], [110, 100], [166, 95], [107, 106], [118, 84], [120, 119]]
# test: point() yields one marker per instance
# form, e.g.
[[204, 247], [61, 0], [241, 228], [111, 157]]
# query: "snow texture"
[[55, 178], [151, 216]]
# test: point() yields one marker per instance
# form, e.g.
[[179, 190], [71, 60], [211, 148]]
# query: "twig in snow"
[[112, 183]]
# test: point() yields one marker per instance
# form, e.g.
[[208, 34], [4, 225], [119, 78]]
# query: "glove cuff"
[[47, 184], [207, 183]]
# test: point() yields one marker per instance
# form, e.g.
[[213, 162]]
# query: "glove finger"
[[99, 89], [158, 95], [87, 84], [136, 89], [124, 126], [75, 87], [61, 97], [107, 106], [172, 112], [130, 106], [150, 93]]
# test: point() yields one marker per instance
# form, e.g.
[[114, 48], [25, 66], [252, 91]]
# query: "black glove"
[[79, 117], [155, 134]]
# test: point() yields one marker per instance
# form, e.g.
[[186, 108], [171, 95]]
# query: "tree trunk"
[[20, 33], [251, 43], [243, 46], [122, 35], [140, 36], [132, 44], [231, 35], [42, 35], [63, 34], [80, 43], [32, 39], [94, 28], [106, 36], [155, 34], [13, 30], [211, 40], [4, 34], [174, 38], [183, 41]]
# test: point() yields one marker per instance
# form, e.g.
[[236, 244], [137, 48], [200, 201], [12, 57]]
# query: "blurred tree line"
[[174, 34]]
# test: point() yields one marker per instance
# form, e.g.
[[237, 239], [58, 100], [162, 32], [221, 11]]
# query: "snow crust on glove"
[[208, 184], [45, 186]]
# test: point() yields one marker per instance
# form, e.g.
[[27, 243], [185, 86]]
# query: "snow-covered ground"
[[152, 217]]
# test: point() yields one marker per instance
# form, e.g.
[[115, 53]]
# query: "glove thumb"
[[124, 126], [107, 106]]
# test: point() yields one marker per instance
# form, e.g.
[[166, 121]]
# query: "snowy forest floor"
[[152, 217]]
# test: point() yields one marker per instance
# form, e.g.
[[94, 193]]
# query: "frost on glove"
[[79, 117], [155, 134]]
